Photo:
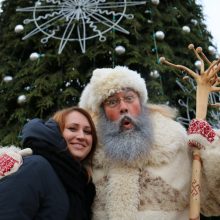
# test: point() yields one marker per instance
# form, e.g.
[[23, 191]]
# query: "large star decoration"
[[77, 20]]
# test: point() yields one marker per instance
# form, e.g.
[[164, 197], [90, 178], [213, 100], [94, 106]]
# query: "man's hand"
[[200, 134]]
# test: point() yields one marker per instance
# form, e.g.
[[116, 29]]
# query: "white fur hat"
[[107, 81]]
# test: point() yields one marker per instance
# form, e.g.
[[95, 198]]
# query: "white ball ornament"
[[154, 74], [67, 84], [198, 64], [155, 2], [211, 50], [7, 79], [186, 29], [38, 3], [34, 56], [194, 21], [120, 50], [159, 35], [27, 88], [22, 99], [19, 28]]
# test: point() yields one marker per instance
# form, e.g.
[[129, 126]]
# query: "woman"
[[67, 141]]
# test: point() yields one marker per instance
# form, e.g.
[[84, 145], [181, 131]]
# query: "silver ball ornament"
[[27, 88], [38, 3], [211, 50], [194, 21], [186, 29], [21, 99], [19, 28], [7, 79], [154, 74], [159, 35], [155, 2], [120, 50], [198, 64], [34, 56], [67, 84]]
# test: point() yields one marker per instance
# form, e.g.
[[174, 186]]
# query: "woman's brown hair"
[[60, 116]]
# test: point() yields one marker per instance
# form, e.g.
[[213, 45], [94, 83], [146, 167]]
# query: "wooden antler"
[[207, 81]]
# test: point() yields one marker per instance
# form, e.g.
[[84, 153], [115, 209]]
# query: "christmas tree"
[[48, 53]]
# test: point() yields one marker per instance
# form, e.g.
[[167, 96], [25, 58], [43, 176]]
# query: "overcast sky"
[[212, 18]]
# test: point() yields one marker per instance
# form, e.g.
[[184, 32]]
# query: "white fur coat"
[[157, 188]]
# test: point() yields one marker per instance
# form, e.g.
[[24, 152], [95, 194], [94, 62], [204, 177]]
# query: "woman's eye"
[[88, 132], [72, 128]]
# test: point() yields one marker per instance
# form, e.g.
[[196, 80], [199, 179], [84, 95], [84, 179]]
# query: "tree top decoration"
[[74, 20], [207, 81]]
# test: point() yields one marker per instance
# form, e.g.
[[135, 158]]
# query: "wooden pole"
[[207, 81], [202, 94]]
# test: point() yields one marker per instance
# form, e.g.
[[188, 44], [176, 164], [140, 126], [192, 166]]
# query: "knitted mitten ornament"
[[11, 160], [201, 134]]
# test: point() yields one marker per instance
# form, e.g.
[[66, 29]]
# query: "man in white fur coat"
[[142, 167]]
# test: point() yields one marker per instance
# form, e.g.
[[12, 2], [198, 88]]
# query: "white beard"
[[126, 146]]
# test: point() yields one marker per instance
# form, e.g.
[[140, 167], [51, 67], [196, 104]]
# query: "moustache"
[[126, 122]]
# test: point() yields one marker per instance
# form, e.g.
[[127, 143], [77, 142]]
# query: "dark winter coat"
[[33, 192], [45, 139]]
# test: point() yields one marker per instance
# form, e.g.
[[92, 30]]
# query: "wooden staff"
[[207, 81]]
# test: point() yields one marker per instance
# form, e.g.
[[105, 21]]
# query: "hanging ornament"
[[147, 11], [194, 21], [211, 50], [159, 35], [21, 99], [155, 2], [7, 79], [67, 84], [19, 28], [120, 50], [198, 64], [186, 29], [34, 56], [38, 3], [27, 88], [154, 74]]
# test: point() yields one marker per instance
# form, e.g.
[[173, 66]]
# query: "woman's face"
[[78, 135]]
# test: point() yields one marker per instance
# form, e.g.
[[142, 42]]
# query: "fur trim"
[[26, 152], [6, 149], [122, 193], [164, 110], [107, 81]]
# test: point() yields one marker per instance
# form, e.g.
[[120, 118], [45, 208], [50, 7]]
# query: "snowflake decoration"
[[77, 20]]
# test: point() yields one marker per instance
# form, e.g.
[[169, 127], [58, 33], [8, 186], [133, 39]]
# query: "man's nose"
[[123, 107]]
